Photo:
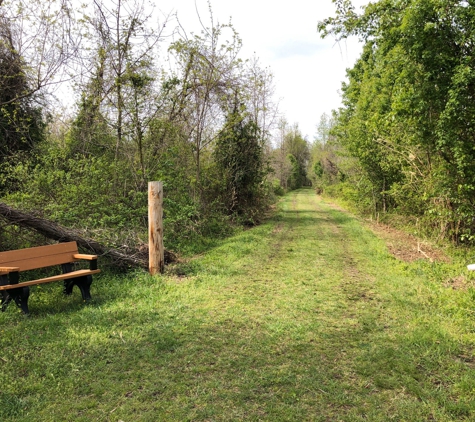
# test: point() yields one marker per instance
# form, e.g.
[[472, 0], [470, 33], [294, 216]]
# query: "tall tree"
[[21, 120], [298, 154], [123, 66], [240, 162], [122, 94], [279, 156], [45, 36], [291, 156], [324, 164], [323, 130], [259, 91], [209, 75]]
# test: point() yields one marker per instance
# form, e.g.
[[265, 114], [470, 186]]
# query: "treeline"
[[152, 102], [404, 140]]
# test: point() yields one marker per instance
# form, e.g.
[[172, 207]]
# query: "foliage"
[[21, 121], [326, 166], [134, 122], [209, 79], [407, 108], [291, 157], [239, 160]]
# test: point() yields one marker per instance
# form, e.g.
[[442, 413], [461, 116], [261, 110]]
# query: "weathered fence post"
[[156, 261]]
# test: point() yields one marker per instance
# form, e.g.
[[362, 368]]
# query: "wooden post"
[[156, 261]]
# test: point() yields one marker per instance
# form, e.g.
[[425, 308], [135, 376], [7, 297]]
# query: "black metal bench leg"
[[20, 296], [68, 286], [6, 298], [84, 284]]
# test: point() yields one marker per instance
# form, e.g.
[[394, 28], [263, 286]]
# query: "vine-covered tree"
[[44, 35], [240, 163], [208, 74], [21, 120]]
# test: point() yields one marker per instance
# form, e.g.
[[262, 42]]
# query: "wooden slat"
[[83, 256], [78, 273], [39, 257], [38, 251]]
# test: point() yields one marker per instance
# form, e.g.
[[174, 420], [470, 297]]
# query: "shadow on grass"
[[163, 358], [180, 365]]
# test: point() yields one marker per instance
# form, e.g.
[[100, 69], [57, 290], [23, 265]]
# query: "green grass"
[[306, 317]]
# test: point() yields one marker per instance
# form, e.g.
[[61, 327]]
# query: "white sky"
[[308, 71]]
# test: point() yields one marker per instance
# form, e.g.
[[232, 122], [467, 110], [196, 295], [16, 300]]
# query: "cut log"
[[56, 232]]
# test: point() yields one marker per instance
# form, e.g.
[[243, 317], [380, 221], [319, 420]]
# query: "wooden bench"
[[12, 263]]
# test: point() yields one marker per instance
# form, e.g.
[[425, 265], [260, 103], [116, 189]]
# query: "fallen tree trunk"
[[56, 232]]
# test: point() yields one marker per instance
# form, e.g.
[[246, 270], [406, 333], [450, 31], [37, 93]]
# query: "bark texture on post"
[[156, 262]]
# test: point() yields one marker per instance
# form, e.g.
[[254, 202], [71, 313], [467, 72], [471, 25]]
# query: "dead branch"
[[56, 232]]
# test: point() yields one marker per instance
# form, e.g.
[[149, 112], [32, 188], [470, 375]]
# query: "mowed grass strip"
[[306, 317]]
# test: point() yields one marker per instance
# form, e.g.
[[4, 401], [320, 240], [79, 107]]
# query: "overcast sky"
[[308, 71]]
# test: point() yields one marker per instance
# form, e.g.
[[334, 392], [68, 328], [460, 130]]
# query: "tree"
[[407, 112], [281, 164], [122, 94], [21, 122], [44, 35], [90, 134], [209, 77], [291, 156], [259, 96], [323, 130], [37, 41], [239, 160], [324, 164], [298, 155]]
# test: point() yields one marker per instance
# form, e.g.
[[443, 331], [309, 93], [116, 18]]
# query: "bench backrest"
[[40, 256]]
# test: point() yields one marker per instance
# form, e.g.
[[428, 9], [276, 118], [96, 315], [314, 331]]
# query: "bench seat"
[[73, 274]]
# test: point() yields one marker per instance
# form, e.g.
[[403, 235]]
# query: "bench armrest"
[[91, 258], [9, 269], [84, 256]]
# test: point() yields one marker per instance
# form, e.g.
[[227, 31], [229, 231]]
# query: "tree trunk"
[[54, 231]]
